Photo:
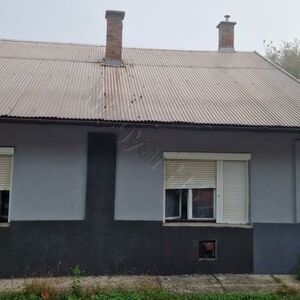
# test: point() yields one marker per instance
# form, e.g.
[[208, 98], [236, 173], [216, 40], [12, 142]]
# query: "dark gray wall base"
[[100, 245], [121, 247], [276, 248]]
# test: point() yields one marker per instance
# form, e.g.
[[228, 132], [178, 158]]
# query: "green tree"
[[286, 56]]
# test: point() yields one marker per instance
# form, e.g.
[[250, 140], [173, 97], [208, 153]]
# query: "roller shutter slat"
[[235, 191], [187, 174], [5, 172]]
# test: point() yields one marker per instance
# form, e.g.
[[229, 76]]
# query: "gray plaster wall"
[[297, 179], [49, 173], [49, 179], [139, 177]]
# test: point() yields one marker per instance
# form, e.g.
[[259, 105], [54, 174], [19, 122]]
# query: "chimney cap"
[[226, 22], [227, 18], [115, 14]]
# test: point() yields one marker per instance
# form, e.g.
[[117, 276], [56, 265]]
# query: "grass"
[[45, 290], [42, 289], [142, 295]]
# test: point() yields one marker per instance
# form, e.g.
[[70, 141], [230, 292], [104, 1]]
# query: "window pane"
[[172, 203], [4, 202], [203, 203]]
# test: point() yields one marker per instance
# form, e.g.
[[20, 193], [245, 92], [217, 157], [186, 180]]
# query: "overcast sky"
[[175, 24]]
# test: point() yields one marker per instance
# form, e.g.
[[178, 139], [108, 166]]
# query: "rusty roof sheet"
[[67, 81]]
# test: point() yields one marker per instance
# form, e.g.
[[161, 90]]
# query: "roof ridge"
[[103, 46], [53, 43], [184, 50], [52, 59]]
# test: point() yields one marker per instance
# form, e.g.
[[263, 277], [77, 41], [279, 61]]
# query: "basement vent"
[[207, 250]]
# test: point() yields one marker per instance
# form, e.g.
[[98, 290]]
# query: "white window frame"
[[218, 198], [9, 151]]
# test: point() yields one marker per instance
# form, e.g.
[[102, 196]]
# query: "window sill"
[[4, 224], [202, 224]]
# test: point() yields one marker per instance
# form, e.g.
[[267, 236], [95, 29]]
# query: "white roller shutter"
[[235, 192], [5, 172], [190, 174]]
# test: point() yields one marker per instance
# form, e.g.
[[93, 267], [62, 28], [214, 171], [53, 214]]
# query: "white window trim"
[[205, 224], [164, 194], [207, 156], [219, 192], [10, 188], [8, 151], [190, 205], [247, 195]]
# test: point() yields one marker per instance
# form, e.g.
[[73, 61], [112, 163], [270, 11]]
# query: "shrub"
[[76, 282], [297, 272]]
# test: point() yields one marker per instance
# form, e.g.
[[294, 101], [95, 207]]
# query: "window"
[[193, 204], [6, 155], [206, 187]]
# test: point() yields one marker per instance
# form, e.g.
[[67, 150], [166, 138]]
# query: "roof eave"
[[145, 124]]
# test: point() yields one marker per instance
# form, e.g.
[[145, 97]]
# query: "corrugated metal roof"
[[67, 81]]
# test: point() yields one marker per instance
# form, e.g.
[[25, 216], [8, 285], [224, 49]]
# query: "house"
[[133, 161]]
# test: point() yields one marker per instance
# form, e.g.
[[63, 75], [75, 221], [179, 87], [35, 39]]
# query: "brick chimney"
[[226, 35], [113, 53]]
